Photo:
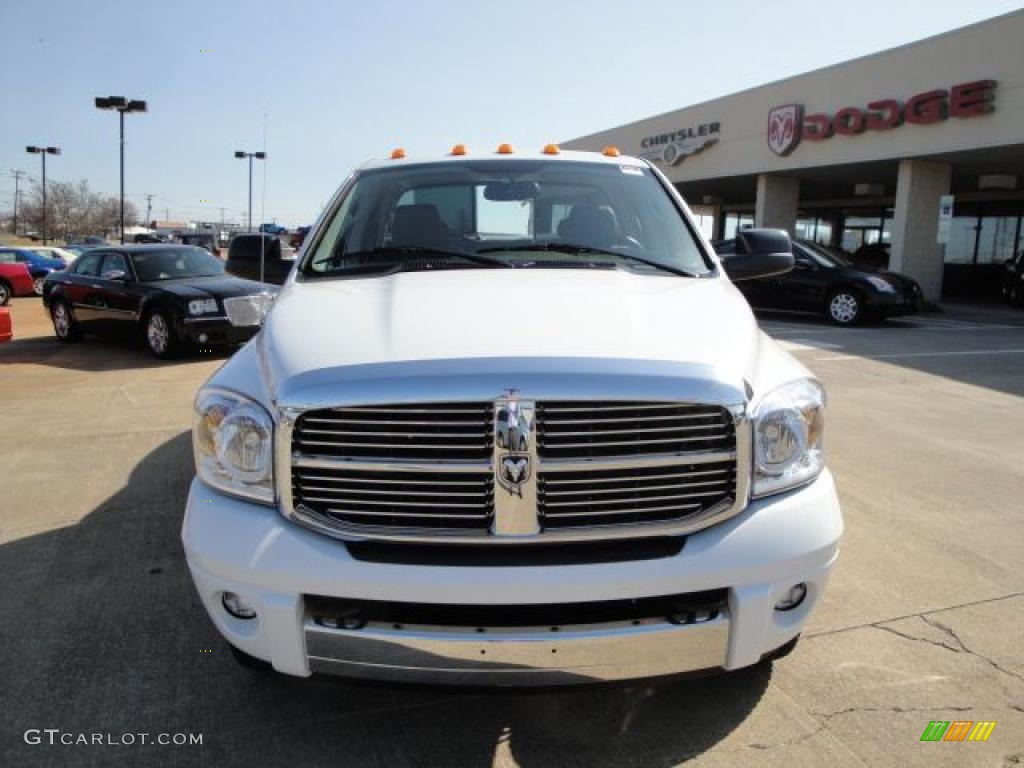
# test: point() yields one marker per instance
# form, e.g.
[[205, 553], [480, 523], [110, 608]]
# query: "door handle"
[[96, 285]]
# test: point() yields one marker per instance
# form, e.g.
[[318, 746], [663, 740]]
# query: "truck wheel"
[[844, 307], [5, 293], [64, 325], [160, 336], [249, 662]]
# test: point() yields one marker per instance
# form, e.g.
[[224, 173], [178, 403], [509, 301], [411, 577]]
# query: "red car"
[[15, 280]]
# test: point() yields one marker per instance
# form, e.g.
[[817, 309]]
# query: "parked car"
[[246, 251], [1012, 282], [273, 229], [53, 252], [205, 240], [173, 294], [15, 279], [824, 282], [533, 436], [298, 237], [150, 237], [39, 266]]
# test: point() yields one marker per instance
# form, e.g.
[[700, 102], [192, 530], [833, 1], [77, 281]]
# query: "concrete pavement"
[[102, 633]]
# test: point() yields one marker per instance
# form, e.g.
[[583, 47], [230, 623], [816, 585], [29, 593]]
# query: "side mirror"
[[759, 253], [114, 274]]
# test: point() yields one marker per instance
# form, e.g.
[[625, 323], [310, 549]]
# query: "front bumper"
[[274, 565], [215, 331]]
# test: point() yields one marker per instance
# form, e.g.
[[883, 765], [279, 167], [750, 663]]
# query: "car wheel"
[[5, 293], [844, 307], [160, 337], [249, 662], [64, 325], [37, 285]]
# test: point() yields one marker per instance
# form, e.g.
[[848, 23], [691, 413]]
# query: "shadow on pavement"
[[92, 353], [102, 632]]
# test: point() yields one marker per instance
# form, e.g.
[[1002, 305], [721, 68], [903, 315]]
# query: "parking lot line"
[[946, 353]]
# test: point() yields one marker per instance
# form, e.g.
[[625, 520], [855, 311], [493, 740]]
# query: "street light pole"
[[122, 105], [43, 151], [259, 156]]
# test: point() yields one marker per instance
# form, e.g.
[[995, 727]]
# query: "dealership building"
[[914, 155]]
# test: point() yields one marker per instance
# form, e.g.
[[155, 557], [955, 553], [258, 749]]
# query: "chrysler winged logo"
[[512, 434], [784, 128]]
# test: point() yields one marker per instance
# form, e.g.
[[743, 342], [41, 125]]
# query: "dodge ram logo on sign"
[[784, 128]]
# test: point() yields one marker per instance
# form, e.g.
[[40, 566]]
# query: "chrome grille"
[[633, 495], [583, 430], [429, 431], [586, 469], [462, 501]]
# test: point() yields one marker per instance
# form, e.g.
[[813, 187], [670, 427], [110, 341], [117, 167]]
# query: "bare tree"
[[73, 210]]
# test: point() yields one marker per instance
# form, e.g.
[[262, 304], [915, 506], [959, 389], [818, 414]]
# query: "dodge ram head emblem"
[[515, 470], [784, 128]]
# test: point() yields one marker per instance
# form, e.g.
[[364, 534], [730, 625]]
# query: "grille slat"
[[452, 431], [630, 429], [632, 495], [389, 498]]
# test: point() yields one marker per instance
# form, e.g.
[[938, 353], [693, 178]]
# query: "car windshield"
[[171, 264], [824, 256], [508, 213]]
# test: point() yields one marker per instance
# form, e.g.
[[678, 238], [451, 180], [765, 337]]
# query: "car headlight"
[[789, 426], [202, 306], [232, 438], [881, 284]]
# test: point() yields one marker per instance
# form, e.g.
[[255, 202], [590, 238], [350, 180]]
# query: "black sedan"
[[822, 281], [173, 294]]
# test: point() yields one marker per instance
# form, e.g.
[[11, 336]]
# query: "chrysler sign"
[[673, 148], [788, 125]]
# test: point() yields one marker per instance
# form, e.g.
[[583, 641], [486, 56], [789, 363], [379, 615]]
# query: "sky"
[[322, 86]]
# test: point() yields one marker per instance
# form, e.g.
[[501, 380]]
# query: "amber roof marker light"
[[610, 151], [397, 154], [459, 149], [551, 149], [505, 149]]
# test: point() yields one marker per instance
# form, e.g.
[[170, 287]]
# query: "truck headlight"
[[789, 426], [232, 438], [202, 306]]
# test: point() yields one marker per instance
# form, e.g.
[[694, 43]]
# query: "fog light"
[[203, 338], [233, 604], [794, 596]]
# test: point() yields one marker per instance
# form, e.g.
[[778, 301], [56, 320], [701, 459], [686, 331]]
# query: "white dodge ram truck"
[[509, 422]]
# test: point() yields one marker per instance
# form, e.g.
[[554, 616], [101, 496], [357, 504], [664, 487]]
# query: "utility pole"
[[17, 178], [149, 208]]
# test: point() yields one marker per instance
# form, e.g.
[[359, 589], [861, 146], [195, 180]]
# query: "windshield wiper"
[[572, 248], [419, 253]]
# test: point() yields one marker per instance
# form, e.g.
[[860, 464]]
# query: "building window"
[[736, 221]]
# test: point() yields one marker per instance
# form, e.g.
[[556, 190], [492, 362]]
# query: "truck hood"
[[323, 327]]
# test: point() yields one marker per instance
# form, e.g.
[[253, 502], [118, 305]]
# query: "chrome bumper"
[[518, 655]]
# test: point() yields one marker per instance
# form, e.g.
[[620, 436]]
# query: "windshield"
[[523, 213], [174, 263], [824, 256]]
